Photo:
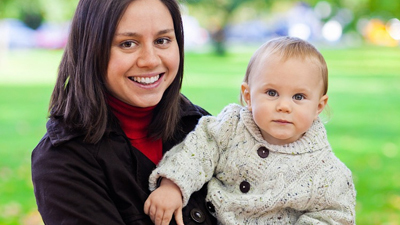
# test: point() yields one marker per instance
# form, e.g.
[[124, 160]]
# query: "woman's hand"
[[164, 202]]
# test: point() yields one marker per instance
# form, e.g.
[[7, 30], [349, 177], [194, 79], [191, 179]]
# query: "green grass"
[[22, 120], [363, 129]]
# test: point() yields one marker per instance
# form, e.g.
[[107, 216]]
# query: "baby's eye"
[[298, 97], [127, 44], [272, 93]]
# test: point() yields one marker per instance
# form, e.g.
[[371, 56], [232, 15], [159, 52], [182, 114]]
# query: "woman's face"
[[144, 57]]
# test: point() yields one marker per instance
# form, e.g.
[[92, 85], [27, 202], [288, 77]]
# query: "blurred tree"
[[383, 9], [367, 8], [9, 9], [217, 14], [214, 14], [34, 12]]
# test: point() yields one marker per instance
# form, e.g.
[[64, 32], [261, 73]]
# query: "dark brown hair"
[[79, 95]]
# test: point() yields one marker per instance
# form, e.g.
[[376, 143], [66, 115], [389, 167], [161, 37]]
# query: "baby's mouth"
[[146, 80], [282, 121]]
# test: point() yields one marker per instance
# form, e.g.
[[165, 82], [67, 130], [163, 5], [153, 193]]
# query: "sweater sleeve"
[[333, 203], [191, 163]]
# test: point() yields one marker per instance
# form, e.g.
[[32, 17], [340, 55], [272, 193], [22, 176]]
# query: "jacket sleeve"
[[333, 203], [69, 186], [191, 163], [76, 183]]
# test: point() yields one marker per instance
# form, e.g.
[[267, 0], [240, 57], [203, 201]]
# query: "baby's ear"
[[321, 105], [246, 94]]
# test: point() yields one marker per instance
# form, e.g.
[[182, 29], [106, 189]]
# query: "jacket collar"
[[58, 131]]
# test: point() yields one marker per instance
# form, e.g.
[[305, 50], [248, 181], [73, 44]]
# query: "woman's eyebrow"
[[134, 34], [165, 31], [130, 34]]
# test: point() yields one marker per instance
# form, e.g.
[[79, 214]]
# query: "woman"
[[115, 110]]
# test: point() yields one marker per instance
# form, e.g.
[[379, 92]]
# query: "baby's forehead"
[[275, 64], [264, 60], [283, 56]]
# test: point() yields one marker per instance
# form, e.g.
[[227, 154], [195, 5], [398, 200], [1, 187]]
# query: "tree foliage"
[[217, 14], [214, 15], [34, 12]]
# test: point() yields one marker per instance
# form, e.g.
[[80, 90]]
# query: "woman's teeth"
[[146, 80]]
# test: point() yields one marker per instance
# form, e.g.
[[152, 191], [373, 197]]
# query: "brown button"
[[263, 152], [197, 215], [244, 187]]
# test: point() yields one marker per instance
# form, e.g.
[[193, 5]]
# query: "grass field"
[[363, 129]]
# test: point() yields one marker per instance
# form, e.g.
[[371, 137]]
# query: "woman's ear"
[[321, 105], [246, 94]]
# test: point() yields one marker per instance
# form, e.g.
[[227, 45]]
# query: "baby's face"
[[285, 97]]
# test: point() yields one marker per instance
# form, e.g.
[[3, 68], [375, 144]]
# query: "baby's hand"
[[163, 202]]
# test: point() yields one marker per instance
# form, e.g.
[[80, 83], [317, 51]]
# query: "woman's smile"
[[147, 80]]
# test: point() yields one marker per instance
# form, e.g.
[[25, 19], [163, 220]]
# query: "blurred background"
[[359, 39]]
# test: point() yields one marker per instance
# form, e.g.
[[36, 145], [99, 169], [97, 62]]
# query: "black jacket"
[[104, 183]]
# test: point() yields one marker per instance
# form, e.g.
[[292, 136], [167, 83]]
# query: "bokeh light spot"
[[393, 27], [300, 30], [332, 31]]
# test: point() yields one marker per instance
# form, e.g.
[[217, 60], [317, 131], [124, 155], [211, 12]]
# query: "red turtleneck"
[[134, 121]]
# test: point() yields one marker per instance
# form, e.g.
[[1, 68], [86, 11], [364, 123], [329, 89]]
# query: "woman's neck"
[[134, 122]]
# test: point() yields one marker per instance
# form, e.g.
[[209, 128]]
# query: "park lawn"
[[363, 126]]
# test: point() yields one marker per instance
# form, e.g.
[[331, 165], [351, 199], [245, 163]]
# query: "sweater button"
[[197, 215], [263, 152], [244, 187], [210, 207]]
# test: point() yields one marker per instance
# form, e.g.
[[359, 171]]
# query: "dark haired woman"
[[115, 110]]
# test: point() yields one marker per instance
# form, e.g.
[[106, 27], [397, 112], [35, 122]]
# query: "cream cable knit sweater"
[[298, 183]]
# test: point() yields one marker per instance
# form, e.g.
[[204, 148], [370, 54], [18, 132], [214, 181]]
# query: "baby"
[[269, 162]]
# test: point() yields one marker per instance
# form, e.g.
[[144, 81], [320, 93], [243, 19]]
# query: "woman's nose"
[[148, 57]]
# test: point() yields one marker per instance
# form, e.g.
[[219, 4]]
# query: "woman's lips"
[[147, 80]]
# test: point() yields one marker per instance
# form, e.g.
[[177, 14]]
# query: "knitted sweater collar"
[[313, 140]]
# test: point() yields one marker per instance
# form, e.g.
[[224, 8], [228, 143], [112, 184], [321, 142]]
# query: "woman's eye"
[[298, 97], [272, 93], [162, 41], [127, 44]]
